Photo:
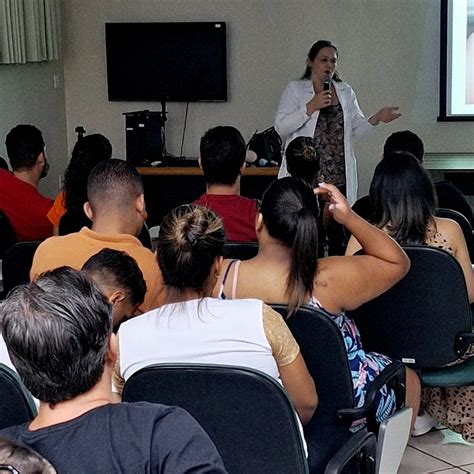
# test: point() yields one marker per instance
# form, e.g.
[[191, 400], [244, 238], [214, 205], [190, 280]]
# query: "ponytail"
[[290, 210], [304, 260]]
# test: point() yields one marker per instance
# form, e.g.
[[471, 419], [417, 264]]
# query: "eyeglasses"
[[9, 468]]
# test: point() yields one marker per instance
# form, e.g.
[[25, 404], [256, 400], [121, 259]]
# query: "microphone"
[[327, 83], [326, 87]]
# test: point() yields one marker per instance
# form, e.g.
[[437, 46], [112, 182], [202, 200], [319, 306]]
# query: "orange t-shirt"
[[75, 249], [57, 211]]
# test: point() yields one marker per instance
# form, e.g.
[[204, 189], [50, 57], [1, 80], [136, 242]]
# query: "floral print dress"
[[364, 366]]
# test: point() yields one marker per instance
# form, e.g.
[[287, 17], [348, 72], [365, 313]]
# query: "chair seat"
[[455, 376]]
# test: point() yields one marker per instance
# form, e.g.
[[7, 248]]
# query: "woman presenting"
[[331, 116]]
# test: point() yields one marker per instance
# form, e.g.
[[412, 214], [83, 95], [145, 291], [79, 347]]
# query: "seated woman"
[[194, 327], [302, 159], [404, 203], [67, 213], [287, 270]]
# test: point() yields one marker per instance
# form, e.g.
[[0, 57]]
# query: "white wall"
[[27, 96], [389, 52]]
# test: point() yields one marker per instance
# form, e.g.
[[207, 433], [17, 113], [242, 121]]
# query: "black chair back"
[[144, 237], [16, 405], [7, 234], [245, 412], [419, 321], [323, 349], [16, 264], [463, 223], [240, 250]]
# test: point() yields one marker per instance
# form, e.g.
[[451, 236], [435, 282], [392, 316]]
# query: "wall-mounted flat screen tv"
[[171, 62]]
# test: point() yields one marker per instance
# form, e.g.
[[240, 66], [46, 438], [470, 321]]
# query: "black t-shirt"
[[124, 438]]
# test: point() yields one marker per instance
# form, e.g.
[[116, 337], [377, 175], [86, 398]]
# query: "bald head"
[[113, 185]]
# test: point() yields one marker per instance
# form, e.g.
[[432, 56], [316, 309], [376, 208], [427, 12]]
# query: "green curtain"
[[29, 31]]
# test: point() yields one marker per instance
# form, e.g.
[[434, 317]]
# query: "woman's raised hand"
[[338, 205], [385, 115]]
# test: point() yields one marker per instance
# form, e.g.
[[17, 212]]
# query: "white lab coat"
[[291, 121]]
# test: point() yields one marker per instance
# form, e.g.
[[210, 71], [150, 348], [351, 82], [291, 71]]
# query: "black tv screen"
[[172, 62]]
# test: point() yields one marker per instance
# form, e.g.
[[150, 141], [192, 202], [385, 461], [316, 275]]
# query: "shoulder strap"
[[234, 280], [226, 274]]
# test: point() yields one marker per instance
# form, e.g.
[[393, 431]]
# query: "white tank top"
[[207, 331]]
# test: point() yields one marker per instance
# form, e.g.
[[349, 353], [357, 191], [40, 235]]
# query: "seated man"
[[222, 159], [449, 196], [20, 199], [116, 208], [118, 277], [59, 335]]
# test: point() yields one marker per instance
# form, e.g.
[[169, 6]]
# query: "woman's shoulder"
[[299, 84], [447, 227]]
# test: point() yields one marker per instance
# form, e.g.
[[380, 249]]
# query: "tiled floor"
[[438, 451]]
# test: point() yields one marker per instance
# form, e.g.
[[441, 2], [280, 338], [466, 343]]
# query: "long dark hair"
[[290, 211], [87, 152], [403, 198], [313, 52]]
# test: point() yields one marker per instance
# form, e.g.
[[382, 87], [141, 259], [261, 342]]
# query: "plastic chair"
[[424, 320], [16, 403], [245, 412], [322, 346], [463, 223], [240, 250], [16, 264]]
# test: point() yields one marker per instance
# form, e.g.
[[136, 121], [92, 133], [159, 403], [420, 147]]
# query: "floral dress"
[[364, 366]]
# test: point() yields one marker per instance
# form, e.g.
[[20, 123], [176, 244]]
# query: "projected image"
[[457, 72], [470, 53]]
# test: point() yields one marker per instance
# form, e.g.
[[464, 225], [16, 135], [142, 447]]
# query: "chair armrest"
[[392, 374], [360, 442], [463, 341]]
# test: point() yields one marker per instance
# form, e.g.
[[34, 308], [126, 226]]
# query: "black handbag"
[[268, 147]]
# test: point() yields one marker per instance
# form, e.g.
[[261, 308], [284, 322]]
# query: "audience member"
[[87, 152], [59, 335], [404, 202], [302, 159], [116, 207], [222, 159], [194, 327], [287, 270], [20, 199], [120, 280], [21, 459], [449, 196]]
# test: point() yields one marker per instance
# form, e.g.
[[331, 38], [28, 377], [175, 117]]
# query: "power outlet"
[[60, 181]]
